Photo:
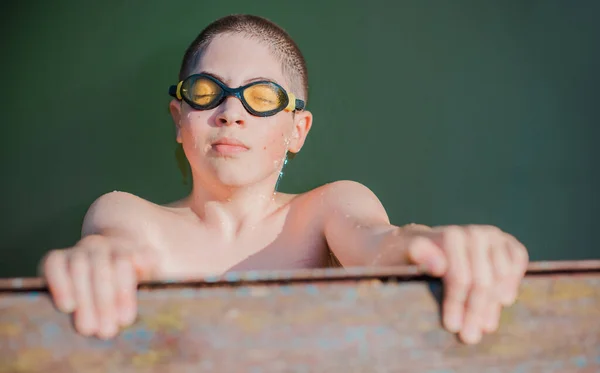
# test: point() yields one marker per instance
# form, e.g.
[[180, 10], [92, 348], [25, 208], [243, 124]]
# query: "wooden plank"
[[332, 320]]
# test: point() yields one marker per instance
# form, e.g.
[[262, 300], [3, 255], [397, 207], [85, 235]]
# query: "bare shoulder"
[[117, 210], [342, 193], [344, 197]]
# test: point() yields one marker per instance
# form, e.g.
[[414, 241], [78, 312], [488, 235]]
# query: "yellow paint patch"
[[149, 359], [532, 294], [425, 326], [10, 330], [87, 362], [33, 360], [166, 319], [365, 288], [307, 316], [249, 323], [508, 349], [507, 317], [565, 289]]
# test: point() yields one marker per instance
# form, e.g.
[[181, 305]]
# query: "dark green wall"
[[452, 112]]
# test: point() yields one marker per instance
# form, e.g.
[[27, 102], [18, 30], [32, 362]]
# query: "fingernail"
[[472, 335], [67, 306], [108, 329], [453, 323], [88, 325]]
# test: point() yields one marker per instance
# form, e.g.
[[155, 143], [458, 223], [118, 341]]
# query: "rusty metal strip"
[[403, 273]]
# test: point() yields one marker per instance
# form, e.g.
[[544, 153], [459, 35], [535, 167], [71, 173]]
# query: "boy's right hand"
[[98, 283]]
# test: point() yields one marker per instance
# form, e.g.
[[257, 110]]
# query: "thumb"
[[427, 255]]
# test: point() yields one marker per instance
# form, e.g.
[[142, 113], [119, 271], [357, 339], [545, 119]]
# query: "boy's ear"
[[302, 124], [175, 109]]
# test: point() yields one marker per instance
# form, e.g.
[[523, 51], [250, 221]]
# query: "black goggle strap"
[[293, 104], [175, 91]]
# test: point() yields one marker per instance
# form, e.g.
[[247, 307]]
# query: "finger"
[[54, 269], [491, 317], [428, 256], [104, 294], [519, 259], [85, 316], [125, 288], [457, 280], [481, 292], [501, 264]]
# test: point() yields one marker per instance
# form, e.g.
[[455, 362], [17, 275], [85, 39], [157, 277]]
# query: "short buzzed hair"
[[276, 38]]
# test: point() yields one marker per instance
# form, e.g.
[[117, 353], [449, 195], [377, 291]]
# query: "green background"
[[452, 112]]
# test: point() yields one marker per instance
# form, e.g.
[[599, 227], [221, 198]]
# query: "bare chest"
[[282, 243]]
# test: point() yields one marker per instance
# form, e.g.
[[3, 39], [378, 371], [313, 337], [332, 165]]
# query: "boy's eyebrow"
[[216, 76]]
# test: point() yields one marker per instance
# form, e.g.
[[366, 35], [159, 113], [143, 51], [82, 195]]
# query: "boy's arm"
[[481, 266], [97, 277]]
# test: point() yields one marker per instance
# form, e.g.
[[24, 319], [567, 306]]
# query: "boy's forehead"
[[237, 58]]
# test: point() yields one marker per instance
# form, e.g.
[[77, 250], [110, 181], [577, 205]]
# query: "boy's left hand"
[[481, 268]]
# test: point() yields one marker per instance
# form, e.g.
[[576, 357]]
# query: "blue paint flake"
[[312, 289], [252, 275], [33, 296], [380, 330], [350, 294], [243, 291], [232, 277], [580, 361], [211, 279], [187, 293], [285, 289], [521, 368], [50, 330]]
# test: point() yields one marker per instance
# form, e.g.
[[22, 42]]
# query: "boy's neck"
[[232, 208]]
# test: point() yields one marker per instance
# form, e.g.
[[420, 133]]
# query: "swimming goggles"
[[261, 98]]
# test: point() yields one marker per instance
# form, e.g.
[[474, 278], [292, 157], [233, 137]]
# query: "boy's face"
[[236, 60]]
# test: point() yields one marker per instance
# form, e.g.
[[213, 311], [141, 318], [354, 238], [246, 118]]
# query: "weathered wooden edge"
[[401, 273]]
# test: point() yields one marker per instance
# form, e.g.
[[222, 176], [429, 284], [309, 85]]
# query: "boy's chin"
[[240, 178]]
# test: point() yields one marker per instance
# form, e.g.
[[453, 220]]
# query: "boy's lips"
[[228, 145]]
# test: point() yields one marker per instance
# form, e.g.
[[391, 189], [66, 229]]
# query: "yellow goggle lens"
[[202, 91], [263, 97]]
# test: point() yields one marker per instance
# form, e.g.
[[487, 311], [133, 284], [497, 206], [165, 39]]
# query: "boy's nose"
[[232, 112]]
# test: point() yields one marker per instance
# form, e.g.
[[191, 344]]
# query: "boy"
[[236, 141]]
